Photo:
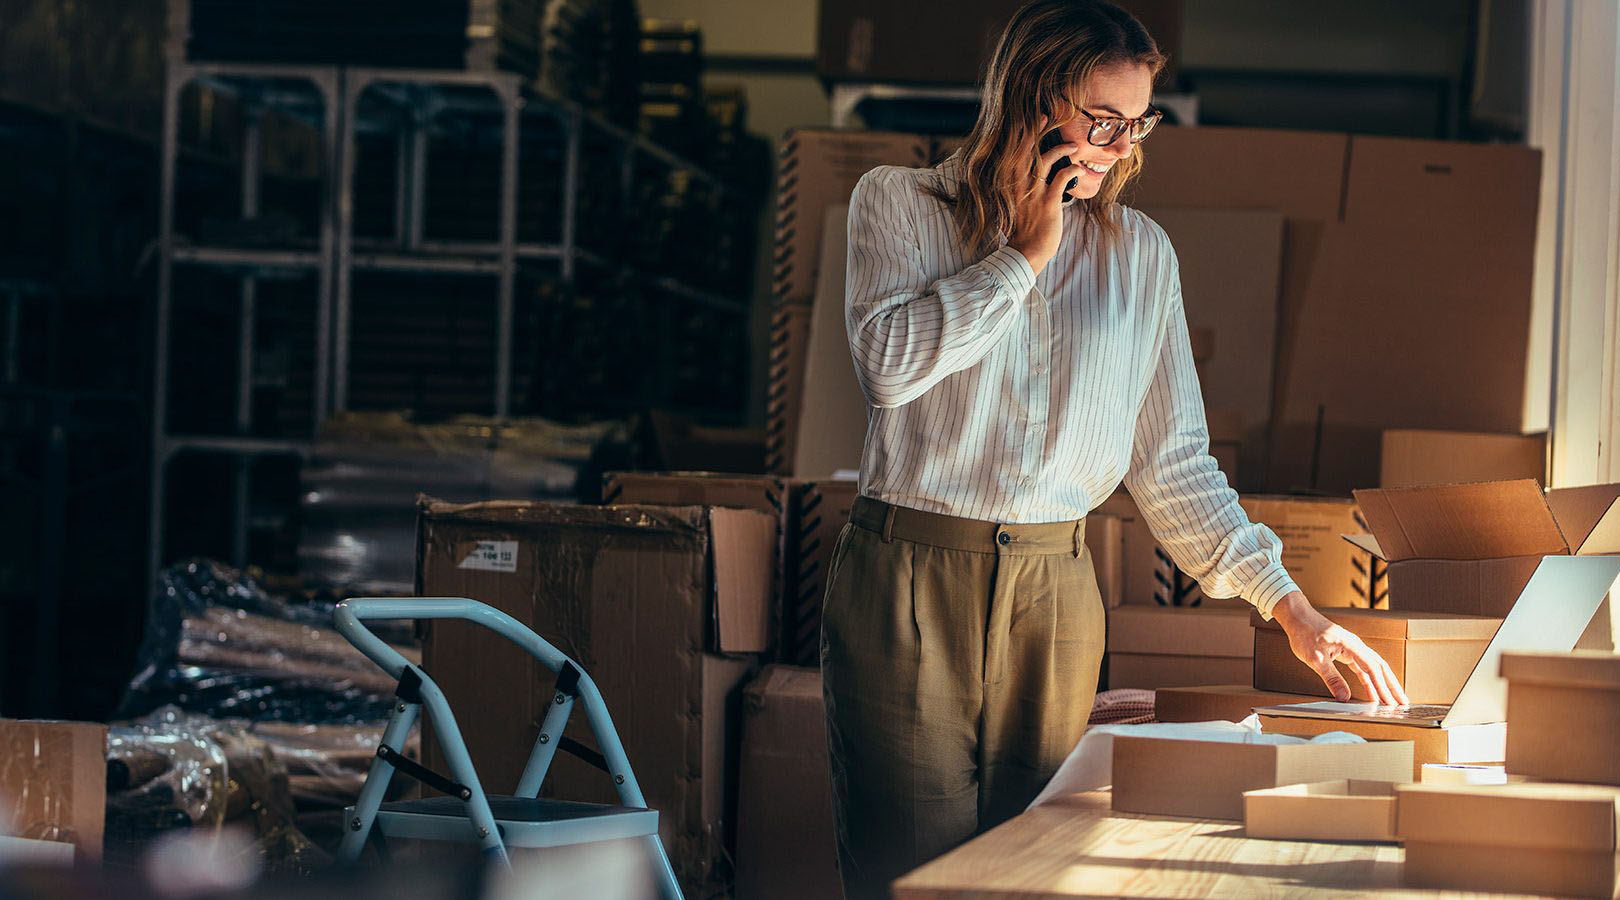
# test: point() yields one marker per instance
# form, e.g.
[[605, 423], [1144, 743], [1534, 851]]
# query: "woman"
[[1023, 347]]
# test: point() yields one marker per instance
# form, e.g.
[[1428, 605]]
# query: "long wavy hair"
[[1040, 67]]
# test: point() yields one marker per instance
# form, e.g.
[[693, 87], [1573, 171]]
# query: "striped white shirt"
[[1004, 396]]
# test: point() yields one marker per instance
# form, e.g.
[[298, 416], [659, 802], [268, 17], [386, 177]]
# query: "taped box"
[[1432, 654], [664, 607], [1206, 779], [1519, 838]]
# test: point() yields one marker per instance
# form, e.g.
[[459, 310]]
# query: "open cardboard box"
[[1485, 743], [1547, 692], [1471, 548], [1529, 838], [1431, 653], [1206, 779], [1342, 810]]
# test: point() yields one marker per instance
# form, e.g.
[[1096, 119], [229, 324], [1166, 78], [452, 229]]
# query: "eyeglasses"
[[1105, 130]]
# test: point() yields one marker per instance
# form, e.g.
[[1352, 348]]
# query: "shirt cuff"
[[1272, 584], [1014, 271]]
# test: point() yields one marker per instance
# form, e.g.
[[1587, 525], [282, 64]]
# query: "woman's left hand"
[[1320, 644]]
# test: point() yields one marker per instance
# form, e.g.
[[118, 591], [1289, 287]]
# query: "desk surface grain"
[[1078, 847]]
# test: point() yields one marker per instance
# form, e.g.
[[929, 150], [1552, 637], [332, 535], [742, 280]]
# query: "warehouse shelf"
[[247, 259], [243, 446], [488, 107]]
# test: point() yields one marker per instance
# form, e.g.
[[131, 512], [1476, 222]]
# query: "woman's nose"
[[1120, 147]]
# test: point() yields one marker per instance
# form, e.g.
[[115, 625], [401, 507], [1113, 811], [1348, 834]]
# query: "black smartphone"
[[1048, 141]]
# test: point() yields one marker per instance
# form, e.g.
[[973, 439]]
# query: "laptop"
[[1549, 616]]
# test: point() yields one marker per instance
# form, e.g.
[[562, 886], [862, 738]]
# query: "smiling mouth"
[[1093, 169]]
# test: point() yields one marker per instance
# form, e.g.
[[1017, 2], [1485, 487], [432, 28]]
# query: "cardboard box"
[[809, 515], [944, 44], [1226, 436], [645, 599], [1153, 647], [1341, 810], [1520, 838], [1344, 272], [1563, 716], [1439, 773], [785, 841], [1105, 538], [818, 168], [833, 410], [1471, 548], [1396, 283], [53, 783], [1231, 263], [1413, 457], [1431, 653], [1209, 703], [1206, 779], [1314, 552], [1457, 744]]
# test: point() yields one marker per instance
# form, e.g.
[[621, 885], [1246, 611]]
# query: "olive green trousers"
[[959, 661]]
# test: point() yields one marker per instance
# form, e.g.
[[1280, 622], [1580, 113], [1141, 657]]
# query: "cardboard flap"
[[1488, 520], [744, 557], [1368, 543], [1589, 517], [1578, 668]]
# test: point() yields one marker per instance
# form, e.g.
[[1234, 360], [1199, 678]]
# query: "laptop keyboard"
[[1419, 710]]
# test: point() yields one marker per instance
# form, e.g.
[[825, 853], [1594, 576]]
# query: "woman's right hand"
[[1038, 213]]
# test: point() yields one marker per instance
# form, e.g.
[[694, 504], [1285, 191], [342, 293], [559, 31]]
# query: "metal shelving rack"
[[416, 98]]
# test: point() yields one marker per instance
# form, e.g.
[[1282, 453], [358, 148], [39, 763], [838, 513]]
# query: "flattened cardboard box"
[[1206, 779], [1520, 838], [819, 167], [1432, 654], [1154, 647], [1547, 693], [1413, 457], [1444, 746], [1210, 703], [785, 844], [1471, 548], [636, 595], [53, 782]]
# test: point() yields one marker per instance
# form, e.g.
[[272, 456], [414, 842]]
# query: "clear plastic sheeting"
[[217, 644], [361, 482], [174, 770], [327, 764]]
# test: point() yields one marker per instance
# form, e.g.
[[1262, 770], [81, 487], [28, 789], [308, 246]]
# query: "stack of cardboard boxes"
[[1458, 558], [1556, 832]]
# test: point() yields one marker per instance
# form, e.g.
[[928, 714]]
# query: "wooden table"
[[1078, 847]]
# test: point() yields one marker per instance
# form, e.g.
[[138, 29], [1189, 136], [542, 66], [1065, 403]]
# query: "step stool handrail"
[[349, 615]]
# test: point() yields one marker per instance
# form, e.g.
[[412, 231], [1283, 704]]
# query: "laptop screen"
[[1549, 616]]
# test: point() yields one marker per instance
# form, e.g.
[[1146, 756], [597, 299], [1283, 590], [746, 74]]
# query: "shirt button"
[[1004, 538]]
